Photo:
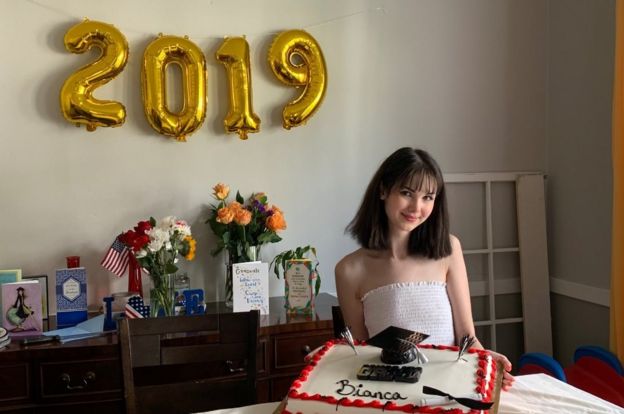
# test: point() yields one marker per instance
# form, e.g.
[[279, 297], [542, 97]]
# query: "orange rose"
[[276, 209], [242, 216], [225, 215], [276, 222], [221, 191], [235, 206]]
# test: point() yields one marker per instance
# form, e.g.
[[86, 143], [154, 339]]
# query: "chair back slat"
[[203, 353], [191, 397], [189, 363]]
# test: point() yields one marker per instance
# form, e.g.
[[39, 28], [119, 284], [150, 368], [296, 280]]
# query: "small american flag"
[[117, 257], [135, 308]]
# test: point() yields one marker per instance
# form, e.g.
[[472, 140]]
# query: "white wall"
[[465, 80]]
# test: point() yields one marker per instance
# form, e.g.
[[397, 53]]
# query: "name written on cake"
[[348, 389]]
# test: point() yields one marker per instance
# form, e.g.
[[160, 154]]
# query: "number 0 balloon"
[[161, 52], [309, 73]]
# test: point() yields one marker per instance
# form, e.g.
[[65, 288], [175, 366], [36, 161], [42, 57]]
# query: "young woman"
[[410, 270]]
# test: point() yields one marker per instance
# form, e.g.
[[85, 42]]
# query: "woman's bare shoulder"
[[351, 265], [455, 244]]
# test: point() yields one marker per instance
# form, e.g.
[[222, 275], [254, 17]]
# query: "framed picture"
[[43, 282], [10, 276]]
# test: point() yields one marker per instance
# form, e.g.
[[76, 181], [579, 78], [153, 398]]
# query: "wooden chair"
[[185, 364]]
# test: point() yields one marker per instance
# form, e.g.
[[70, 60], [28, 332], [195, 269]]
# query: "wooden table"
[[86, 375]]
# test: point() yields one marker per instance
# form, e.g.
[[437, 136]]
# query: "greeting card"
[[250, 282], [71, 296], [21, 308], [299, 276]]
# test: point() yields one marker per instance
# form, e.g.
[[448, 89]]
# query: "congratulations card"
[[250, 287]]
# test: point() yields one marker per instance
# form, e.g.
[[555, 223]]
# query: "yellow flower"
[[192, 247], [225, 215], [276, 221], [242, 216], [221, 191]]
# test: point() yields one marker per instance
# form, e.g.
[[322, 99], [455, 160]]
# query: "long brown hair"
[[405, 166]]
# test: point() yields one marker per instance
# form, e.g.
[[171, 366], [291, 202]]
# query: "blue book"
[[71, 296]]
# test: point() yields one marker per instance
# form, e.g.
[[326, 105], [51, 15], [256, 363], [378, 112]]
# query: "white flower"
[[158, 238], [168, 222], [182, 228], [141, 253]]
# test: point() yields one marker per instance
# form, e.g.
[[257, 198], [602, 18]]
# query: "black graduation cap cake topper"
[[399, 346]]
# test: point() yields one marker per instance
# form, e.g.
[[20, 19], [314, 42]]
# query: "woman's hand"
[[508, 379]]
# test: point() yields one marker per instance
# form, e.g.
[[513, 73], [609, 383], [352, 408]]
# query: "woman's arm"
[[459, 296], [458, 291], [347, 288]]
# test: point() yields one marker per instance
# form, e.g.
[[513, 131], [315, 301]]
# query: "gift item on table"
[[90, 328], [21, 308], [71, 296], [73, 261], [193, 302]]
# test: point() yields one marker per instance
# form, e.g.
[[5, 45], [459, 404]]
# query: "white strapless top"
[[417, 306]]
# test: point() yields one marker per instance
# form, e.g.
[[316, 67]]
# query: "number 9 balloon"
[[163, 51], [77, 103], [310, 73]]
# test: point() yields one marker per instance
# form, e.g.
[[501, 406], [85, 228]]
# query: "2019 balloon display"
[[234, 55], [294, 56], [161, 52], [309, 73], [77, 102]]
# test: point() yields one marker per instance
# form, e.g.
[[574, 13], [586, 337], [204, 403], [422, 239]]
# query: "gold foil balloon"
[[77, 102], [309, 72], [234, 54], [163, 51]]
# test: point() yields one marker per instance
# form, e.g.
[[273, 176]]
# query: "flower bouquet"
[[156, 248], [242, 227]]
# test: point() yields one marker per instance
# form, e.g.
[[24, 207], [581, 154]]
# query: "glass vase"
[[250, 254], [162, 295]]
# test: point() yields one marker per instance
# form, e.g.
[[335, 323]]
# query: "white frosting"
[[340, 364]]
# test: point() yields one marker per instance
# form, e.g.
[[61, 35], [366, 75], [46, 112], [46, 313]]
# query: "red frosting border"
[[391, 406]]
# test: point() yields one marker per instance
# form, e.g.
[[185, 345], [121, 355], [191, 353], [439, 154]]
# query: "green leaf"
[[171, 268], [240, 198], [318, 284], [152, 221]]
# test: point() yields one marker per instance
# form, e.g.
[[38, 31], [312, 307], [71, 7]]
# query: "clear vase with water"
[[162, 295]]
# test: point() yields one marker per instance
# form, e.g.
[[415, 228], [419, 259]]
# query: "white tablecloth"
[[530, 394]]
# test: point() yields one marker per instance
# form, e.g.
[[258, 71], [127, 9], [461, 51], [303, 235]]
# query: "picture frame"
[[43, 281], [10, 275]]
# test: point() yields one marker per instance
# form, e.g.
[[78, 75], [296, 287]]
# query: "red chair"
[[597, 371]]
